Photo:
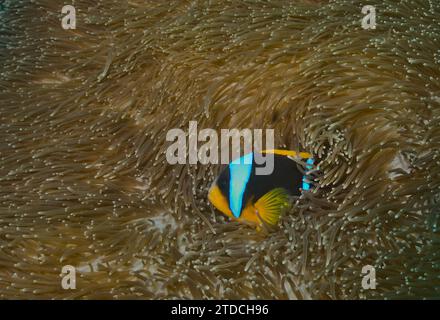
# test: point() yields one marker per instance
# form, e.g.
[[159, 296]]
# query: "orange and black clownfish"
[[260, 200]]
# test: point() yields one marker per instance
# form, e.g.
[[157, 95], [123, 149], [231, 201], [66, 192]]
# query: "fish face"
[[248, 215]]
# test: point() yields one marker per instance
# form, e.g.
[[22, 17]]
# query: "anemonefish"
[[255, 199]]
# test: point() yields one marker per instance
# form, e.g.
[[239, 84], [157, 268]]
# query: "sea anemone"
[[84, 179]]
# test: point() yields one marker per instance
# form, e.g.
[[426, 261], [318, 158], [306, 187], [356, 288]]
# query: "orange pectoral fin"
[[249, 215]]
